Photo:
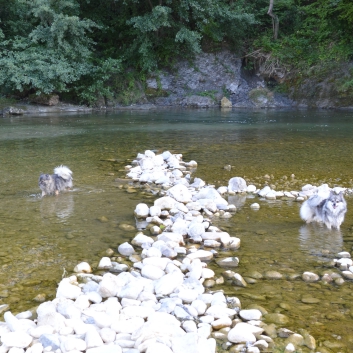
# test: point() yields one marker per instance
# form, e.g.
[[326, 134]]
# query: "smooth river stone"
[[310, 277], [141, 210], [126, 249], [228, 262], [250, 314]]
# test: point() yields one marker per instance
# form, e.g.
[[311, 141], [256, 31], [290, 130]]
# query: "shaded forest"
[[78, 48]]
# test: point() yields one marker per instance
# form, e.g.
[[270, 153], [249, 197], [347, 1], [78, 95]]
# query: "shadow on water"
[[42, 237]]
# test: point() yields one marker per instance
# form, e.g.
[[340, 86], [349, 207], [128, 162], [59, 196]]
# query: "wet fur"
[[330, 210], [54, 183]]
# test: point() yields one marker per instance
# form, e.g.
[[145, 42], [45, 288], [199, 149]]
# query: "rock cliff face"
[[323, 87], [203, 83]]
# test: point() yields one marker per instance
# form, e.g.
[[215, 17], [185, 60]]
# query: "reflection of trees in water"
[[316, 238], [61, 206]]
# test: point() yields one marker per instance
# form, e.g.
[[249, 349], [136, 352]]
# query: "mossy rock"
[[261, 96], [155, 92]]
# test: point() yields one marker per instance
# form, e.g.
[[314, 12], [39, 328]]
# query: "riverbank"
[[166, 283], [212, 80]]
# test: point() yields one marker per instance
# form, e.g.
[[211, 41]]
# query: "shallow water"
[[44, 237]]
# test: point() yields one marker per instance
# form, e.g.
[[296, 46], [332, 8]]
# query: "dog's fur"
[[54, 183], [328, 208]]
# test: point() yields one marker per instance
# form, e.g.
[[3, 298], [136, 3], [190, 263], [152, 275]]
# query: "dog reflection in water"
[[320, 241], [61, 207]]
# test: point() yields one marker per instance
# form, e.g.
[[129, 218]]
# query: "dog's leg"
[[56, 192], [43, 193]]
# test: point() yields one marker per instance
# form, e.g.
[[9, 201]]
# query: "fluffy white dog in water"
[[326, 206], [54, 183]]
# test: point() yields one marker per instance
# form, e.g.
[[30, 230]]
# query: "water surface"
[[42, 238]]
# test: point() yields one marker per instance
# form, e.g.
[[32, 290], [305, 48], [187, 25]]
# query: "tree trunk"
[[275, 21]]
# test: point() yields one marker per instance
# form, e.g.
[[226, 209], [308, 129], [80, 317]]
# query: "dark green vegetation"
[[83, 49]]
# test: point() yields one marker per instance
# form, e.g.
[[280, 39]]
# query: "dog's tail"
[[307, 213], [63, 172]]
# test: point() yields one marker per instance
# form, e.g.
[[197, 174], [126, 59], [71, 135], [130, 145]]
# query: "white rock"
[[310, 277], [68, 290], [190, 343], [159, 324], [107, 334], [105, 349], [141, 239], [41, 330], [141, 210], [131, 290], [200, 306], [83, 267], [219, 311], [237, 184], [271, 195], [263, 192], [207, 273], [344, 263], [16, 350], [155, 211], [207, 319], [290, 348], [155, 230], [137, 311], [94, 297], [241, 334], [251, 188], [222, 190], [35, 348], [255, 206], [158, 347], [204, 330], [127, 326], [187, 295], [152, 272], [93, 338], [196, 230], [160, 262], [250, 314], [189, 326], [105, 263], [210, 194], [16, 339], [165, 203], [126, 249], [201, 254], [108, 287], [152, 252], [221, 323], [180, 226], [174, 237], [168, 283]]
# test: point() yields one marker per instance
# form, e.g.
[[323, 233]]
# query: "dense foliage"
[[85, 47]]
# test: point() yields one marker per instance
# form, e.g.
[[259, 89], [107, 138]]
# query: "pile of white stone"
[[345, 264], [159, 309], [306, 191]]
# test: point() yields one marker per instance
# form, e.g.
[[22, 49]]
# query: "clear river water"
[[44, 238]]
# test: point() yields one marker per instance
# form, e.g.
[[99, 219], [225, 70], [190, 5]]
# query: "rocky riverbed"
[[162, 297]]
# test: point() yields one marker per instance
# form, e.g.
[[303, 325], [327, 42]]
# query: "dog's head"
[[45, 182], [336, 201]]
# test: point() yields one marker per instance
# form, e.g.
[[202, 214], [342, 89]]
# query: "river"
[[44, 238]]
